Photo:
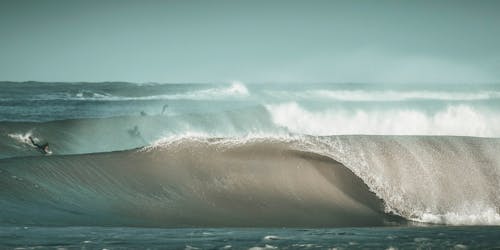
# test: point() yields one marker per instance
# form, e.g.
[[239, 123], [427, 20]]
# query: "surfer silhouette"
[[134, 132], [164, 108], [44, 148]]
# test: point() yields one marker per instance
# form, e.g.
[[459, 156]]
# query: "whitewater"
[[249, 155]]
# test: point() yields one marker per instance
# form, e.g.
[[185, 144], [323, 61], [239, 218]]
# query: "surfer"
[[44, 148], [164, 108], [134, 132]]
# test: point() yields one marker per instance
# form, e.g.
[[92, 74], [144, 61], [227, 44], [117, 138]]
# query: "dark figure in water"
[[164, 108], [143, 113], [44, 148], [134, 132]]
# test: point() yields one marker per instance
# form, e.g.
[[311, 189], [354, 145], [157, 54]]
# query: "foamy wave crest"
[[389, 95], [431, 179], [21, 137], [348, 180], [475, 217], [236, 89], [460, 120]]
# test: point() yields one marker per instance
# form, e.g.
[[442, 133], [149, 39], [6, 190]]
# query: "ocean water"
[[250, 238], [241, 166]]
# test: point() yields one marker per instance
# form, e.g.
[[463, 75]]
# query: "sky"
[[251, 41]]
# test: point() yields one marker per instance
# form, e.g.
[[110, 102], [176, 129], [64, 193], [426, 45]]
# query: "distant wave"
[[454, 120], [235, 90], [91, 135], [344, 180], [386, 95], [77, 136]]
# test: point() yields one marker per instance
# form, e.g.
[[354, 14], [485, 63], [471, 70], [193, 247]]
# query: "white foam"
[[266, 247], [21, 137], [460, 120], [271, 237], [482, 216], [387, 95], [441, 180], [172, 140], [235, 90]]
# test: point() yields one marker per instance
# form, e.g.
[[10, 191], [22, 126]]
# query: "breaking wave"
[[255, 181], [77, 136], [236, 89], [188, 183], [453, 120], [387, 95], [228, 155]]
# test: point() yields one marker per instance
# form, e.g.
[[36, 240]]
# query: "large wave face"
[[302, 181], [249, 155], [188, 183]]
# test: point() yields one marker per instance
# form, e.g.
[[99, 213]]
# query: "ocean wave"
[[261, 181], [431, 179], [91, 135], [235, 90], [461, 120], [77, 136], [189, 184]]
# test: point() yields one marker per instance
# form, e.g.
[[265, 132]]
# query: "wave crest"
[[386, 96], [261, 181], [454, 120]]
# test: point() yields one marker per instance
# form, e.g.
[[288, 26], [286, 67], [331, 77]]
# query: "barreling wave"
[[188, 183], [281, 181]]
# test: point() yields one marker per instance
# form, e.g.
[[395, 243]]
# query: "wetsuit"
[[41, 148]]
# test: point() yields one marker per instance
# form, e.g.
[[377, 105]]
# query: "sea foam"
[[453, 120]]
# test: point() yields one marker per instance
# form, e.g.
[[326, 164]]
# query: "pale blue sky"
[[250, 41]]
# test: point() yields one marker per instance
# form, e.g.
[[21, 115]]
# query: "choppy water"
[[251, 238]]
